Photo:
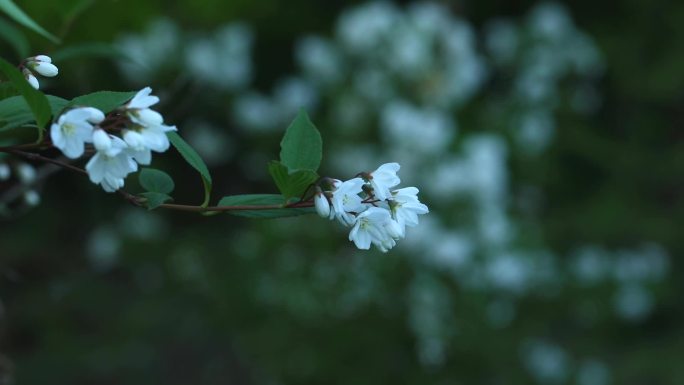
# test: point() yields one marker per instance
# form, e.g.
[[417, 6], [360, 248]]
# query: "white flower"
[[322, 205], [5, 172], [383, 179], [31, 198], [109, 166], [406, 207], [143, 99], [346, 199], [370, 227], [26, 173], [73, 129], [148, 124], [155, 136], [30, 78]]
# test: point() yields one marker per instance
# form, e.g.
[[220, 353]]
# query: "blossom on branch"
[[376, 214], [383, 179], [149, 124], [115, 157], [111, 163], [73, 129]]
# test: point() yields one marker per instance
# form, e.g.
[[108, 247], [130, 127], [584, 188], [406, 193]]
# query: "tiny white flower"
[[322, 205], [370, 228], [383, 179], [148, 123], [72, 130], [31, 198], [110, 166], [26, 173], [31, 79], [143, 99], [406, 207], [346, 200], [5, 172]]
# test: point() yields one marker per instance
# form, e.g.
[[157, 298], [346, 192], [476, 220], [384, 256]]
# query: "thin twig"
[[34, 156], [137, 201]]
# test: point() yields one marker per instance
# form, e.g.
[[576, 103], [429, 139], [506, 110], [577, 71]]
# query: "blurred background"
[[546, 138]]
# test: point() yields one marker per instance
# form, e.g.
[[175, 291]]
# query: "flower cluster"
[[40, 64], [142, 131], [376, 213]]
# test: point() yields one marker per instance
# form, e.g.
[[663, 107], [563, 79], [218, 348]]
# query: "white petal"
[[96, 116], [146, 117], [56, 135], [143, 99], [76, 114], [101, 140], [73, 148], [96, 168], [134, 139], [143, 157]]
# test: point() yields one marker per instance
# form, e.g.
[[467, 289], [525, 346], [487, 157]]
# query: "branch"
[[139, 202]]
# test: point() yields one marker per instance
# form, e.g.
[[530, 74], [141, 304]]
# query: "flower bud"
[[33, 81], [41, 58], [43, 68], [322, 204]]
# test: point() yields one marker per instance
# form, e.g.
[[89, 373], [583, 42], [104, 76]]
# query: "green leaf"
[[7, 90], [154, 199], [96, 49], [154, 180], [15, 38], [291, 184], [192, 157], [301, 147], [106, 101], [14, 111], [14, 12], [36, 100], [57, 104], [262, 200]]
